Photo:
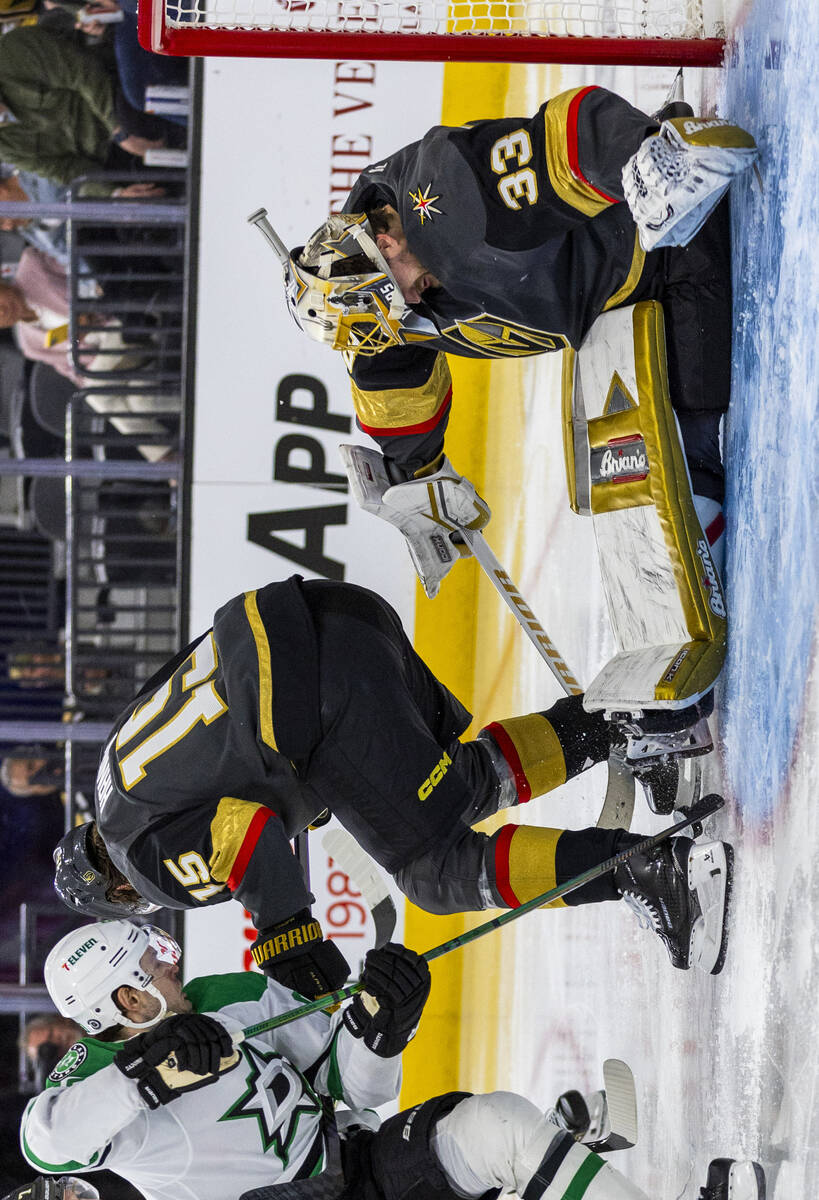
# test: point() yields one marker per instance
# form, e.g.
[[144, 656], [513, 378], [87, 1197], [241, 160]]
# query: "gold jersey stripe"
[[573, 190], [532, 863], [228, 831], [265, 672], [538, 750], [399, 408], [638, 261]]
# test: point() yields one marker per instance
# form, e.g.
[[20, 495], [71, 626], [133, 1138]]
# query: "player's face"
[[162, 960], [409, 272]]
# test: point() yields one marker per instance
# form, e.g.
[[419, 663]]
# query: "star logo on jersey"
[[276, 1096], [424, 204]]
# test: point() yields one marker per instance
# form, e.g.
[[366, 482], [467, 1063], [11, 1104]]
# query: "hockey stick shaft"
[[706, 808], [618, 805], [527, 620]]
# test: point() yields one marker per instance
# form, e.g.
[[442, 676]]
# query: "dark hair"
[[356, 264], [381, 219], [118, 889]]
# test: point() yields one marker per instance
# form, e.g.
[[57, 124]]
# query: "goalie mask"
[[85, 968], [340, 289], [82, 885]]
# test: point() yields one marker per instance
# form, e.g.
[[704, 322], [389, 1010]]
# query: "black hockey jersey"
[[524, 224], [186, 794]]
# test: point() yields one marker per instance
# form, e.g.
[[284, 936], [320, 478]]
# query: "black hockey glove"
[[295, 955], [158, 1058], [396, 985]]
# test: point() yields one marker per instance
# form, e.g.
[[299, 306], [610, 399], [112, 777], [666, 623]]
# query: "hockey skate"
[[732, 1180], [681, 890], [658, 761], [606, 1120]]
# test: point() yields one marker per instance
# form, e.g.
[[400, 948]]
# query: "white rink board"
[[289, 136]]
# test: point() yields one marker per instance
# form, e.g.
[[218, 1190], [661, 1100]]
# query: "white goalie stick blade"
[[621, 1110], [355, 862], [618, 806]]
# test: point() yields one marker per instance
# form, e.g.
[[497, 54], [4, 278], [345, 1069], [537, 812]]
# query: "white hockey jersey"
[[261, 1123]]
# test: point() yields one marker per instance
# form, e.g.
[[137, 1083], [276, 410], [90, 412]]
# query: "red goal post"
[[624, 32]]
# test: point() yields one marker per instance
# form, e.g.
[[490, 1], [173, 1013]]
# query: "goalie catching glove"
[[296, 956], [178, 1054], [429, 510], [678, 176], [386, 1013]]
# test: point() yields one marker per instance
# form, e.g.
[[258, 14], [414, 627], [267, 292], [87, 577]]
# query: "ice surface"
[[725, 1065]]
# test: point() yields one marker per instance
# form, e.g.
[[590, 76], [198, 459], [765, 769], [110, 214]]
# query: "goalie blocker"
[[659, 546]]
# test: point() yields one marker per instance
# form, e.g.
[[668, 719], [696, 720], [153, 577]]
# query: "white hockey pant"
[[500, 1140]]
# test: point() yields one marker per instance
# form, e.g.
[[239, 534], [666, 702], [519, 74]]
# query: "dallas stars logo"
[[277, 1096], [424, 204]]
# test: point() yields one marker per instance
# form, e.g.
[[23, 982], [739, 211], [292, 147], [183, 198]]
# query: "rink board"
[[724, 1065]]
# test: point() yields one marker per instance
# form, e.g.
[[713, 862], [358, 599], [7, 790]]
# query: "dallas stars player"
[[505, 238], [307, 695], [178, 1110]]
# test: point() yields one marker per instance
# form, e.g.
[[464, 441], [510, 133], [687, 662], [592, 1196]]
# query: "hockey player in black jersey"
[[186, 1106], [511, 237], [305, 696]]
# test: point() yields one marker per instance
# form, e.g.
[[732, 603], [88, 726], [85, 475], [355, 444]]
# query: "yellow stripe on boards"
[[473, 644]]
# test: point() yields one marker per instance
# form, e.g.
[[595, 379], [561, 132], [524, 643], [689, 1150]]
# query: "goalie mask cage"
[[625, 32]]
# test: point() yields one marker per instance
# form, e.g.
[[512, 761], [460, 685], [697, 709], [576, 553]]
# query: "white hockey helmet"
[[85, 968], [339, 288]]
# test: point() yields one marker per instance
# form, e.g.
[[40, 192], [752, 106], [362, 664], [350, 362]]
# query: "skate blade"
[[710, 875]]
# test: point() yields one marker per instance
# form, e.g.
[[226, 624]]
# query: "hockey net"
[[588, 31]]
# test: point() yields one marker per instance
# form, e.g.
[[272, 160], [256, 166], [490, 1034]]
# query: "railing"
[[110, 515]]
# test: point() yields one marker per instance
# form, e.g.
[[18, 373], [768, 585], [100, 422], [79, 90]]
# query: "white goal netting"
[[567, 18]]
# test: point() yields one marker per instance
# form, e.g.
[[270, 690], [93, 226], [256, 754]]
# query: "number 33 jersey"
[[523, 222]]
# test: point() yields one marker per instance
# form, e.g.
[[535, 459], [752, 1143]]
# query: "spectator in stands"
[[64, 114], [27, 771], [36, 305], [48, 234], [137, 69], [45, 1039]]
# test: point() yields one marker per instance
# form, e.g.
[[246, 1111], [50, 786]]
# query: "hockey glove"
[[182, 1052], [678, 176], [429, 510], [386, 1013], [296, 956]]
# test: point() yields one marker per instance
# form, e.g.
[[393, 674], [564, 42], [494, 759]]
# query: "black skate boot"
[[732, 1180], [660, 780], [680, 890]]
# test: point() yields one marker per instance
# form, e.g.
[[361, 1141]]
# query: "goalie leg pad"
[[626, 468]]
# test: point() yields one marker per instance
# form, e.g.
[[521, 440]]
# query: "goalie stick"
[[618, 805], [694, 817], [357, 864], [606, 1120]]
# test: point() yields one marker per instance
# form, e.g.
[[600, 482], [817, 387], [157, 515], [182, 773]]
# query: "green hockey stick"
[[694, 815]]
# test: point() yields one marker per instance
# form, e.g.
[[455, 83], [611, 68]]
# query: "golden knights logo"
[[424, 204], [492, 337]]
